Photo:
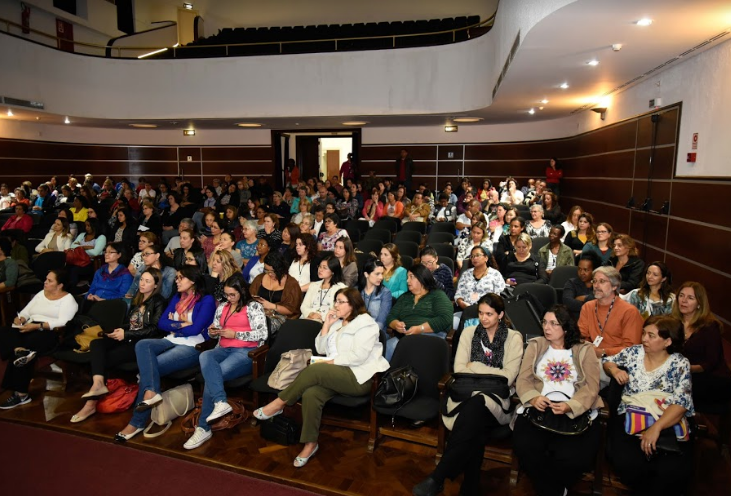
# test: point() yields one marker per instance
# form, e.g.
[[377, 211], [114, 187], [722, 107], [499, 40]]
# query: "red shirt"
[[24, 223], [553, 176]]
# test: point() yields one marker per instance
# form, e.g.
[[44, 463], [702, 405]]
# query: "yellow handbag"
[[85, 337]]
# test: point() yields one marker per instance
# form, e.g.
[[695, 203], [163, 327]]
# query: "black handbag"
[[464, 386], [396, 388], [281, 430]]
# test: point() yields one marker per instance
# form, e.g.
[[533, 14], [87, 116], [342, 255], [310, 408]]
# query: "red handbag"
[[121, 396], [78, 256]]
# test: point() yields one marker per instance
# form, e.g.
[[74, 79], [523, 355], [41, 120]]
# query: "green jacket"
[[433, 308], [565, 257]]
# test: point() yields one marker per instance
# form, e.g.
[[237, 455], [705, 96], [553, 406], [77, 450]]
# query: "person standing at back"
[[404, 169]]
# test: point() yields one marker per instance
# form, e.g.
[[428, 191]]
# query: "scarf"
[[119, 271], [483, 351], [186, 303]]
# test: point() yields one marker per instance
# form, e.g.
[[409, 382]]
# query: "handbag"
[[638, 419], [175, 403], [281, 430], [121, 396], [396, 388], [289, 367], [237, 415], [464, 386], [559, 424], [86, 336], [78, 257]]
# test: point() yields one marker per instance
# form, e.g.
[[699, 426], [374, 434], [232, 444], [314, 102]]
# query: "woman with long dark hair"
[[655, 295], [303, 267], [321, 294], [376, 296], [112, 279], [279, 294]]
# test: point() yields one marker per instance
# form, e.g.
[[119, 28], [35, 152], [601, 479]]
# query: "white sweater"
[[56, 312]]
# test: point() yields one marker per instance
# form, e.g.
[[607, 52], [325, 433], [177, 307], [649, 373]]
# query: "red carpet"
[[39, 461]]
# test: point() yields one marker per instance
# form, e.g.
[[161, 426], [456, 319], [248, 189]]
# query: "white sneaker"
[[199, 437], [220, 408]]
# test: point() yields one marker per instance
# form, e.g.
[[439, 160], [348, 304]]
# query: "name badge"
[[598, 341], [474, 296]]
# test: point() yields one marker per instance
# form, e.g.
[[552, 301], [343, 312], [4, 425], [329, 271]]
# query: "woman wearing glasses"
[[327, 239], [113, 279], [349, 340], [321, 294], [185, 324], [601, 242], [477, 281], [279, 294], [152, 259], [240, 326]]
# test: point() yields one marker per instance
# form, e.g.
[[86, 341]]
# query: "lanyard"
[[596, 313], [323, 296]]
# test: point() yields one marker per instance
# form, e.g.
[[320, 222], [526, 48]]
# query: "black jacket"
[[631, 273], [154, 308], [504, 248]]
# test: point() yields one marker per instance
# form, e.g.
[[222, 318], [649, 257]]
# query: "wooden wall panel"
[[609, 139], [702, 201], [614, 191], [716, 284], [455, 150], [252, 168], [649, 228], [663, 163], [702, 244], [497, 171], [619, 164], [237, 153], [666, 129]]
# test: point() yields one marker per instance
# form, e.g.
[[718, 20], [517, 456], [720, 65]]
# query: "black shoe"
[[427, 487], [15, 400]]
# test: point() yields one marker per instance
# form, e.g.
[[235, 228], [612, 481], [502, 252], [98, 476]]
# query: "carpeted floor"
[[38, 461]]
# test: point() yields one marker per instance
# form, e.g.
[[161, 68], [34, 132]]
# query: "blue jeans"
[[391, 343], [157, 358], [219, 365]]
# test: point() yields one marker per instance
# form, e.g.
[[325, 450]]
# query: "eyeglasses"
[[231, 296], [599, 281], [602, 232], [269, 272], [428, 263], [148, 254], [180, 277], [340, 302], [110, 252], [477, 255], [552, 323]]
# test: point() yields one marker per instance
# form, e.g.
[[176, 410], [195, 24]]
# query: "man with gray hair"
[[609, 322], [174, 243]]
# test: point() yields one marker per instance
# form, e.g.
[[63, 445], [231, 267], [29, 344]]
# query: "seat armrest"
[[445, 381], [258, 359], [7, 289], [450, 337]]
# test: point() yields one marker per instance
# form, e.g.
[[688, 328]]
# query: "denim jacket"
[[378, 305]]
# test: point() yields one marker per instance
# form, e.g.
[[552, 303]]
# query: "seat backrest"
[[444, 250], [469, 314], [386, 223], [408, 248], [48, 261], [295, 334], [524, 318], [440, 238], [419, 227], [370, 245], [544, 293], [407, 262], [538, 243], [561, 275], [429, 356], [108, 313], [448, 262], [448, 227], [411, 236], [382, 235]]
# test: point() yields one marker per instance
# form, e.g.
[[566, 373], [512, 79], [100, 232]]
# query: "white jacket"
[[358, 347], [63, 242], [311, 303]]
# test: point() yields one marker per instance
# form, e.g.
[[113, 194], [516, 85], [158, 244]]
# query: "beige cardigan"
[[586, 397], [511, 365]]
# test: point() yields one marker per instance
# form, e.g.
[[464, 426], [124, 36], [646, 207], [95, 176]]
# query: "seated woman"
[[304, 267], [326, 240], [572, 221], [286, 248], [551, 209], [270, 230], [240, 326], [377, 297], [520, 266], [394, 275], [188, 241], [171, 217], [58, 238], [152, 258], [227, 244], [656, 379], [221, 266], [118, 346], [512, 195], [578, 290], [372, 208], [279, 294], [559, 373], [345, 253], [112, 279], [584, 232], [347, 207], [21, 221], [442, 274], [307, 224], [91, 239], [80, 208], [506, 243], [255, 265], [349, 339], [230, 218], [303, 210], [320, 295], [496, 220], [150, 220], [625, 259], [146, 239], [125, 228], [477, 281], [184, 323], [554, 254], [654, 296], [601, 242], [491, 347], [424, 309], [247, 245], [703, 348], [209, 242], [479, 236], [53, 307], [537, 226]]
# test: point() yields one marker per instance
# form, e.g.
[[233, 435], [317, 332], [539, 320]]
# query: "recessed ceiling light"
[[467, 119], [188, 132], [645, 21], [10, 113], [248, 124], [540, 108], [188, 5], [66, 120], [593, 63], [564, 86], [355, 123], [544, 101], [532, 111], [450, 129], [143, 126]]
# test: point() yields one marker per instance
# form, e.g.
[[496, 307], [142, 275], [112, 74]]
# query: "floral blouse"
[[672, 377], [465, 248], [471, 289], [540, 232], [647, 307], [328, 241]]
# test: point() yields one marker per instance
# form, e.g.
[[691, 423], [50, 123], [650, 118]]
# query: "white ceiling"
[[556, 50]]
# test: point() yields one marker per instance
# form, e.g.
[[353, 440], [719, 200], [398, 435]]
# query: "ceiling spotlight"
[[10, 113], [544, 101], [602, 111], [66, 120], [467, 119], [617, 47], [354, 123], [532, 111], [593, 63], [188, 132], [248, 124], [645, 21], [540, 108], [450, 129], [188, 5], [564, 86]]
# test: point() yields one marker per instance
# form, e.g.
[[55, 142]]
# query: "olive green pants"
[[316, 385]]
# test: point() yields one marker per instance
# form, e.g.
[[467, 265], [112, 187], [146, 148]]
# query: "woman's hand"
[[226, 333], [540, 403], [315, 316], [19, 321], [648, 439], [117, 334], [398, 326], [560, 408], [413, 330], [621, 376], [330, 318]]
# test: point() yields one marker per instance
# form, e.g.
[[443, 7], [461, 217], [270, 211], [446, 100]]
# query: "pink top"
[[238, 322]]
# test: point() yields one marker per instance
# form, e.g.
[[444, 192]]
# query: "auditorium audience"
[[345, 253], [247, 245], [506, 243], [477, 281], [279, 294], [21, 221], [152, 258], [580, 289], [654, 296], [626, 260], [377, 297], [136, 263], [394, 274], [112, 279], [320, 295], [601, 242], [537, 226], [572, 221], [58, 238], [584, 232], [521, 266], [326, 240], [440, 272], [255, 265], [554, 254]]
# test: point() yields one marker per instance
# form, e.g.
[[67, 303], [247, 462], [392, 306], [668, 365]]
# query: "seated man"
[[174, 242], [417, 210], [578, 290], [471, 216], [609, 322], [444, 211]]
